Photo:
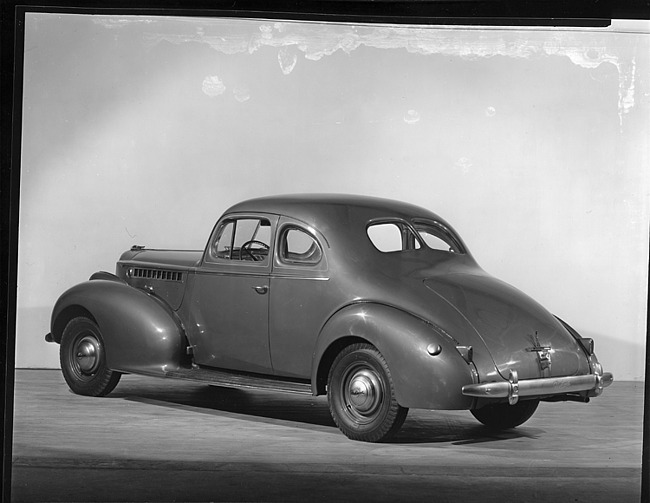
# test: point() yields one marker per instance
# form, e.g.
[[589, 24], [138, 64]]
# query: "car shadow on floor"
[[307, 412], [253, 405], [436, 431]]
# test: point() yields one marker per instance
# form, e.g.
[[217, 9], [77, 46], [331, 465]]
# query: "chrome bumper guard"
[[513, 388]]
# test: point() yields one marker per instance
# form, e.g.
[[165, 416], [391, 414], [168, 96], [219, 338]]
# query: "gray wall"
[[533, 143]]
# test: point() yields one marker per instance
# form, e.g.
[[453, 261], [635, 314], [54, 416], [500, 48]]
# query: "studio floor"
[[161, 440]]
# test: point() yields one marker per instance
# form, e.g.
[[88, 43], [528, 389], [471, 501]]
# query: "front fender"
[[420, 379], [141, 333]]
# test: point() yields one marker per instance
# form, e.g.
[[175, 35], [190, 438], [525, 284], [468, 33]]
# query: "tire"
[[503, 416], [83, 359], [361, 395]]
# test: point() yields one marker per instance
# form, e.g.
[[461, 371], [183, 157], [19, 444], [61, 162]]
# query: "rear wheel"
[[83, 360], [361, 395], [503, 416]]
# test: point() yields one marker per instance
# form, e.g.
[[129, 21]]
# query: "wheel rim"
[[363, 393], [86, 355]]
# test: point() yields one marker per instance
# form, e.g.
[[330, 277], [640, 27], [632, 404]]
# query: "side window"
[[223, 245], [299, 247], [242, 239], [392, 236]]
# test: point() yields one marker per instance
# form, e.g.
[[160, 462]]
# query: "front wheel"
[[83, 360], [361, 395], [503, 416]]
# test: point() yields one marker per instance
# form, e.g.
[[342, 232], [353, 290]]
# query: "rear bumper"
[[513, 388]]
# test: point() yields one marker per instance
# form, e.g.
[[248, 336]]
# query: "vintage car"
[[376, 303]]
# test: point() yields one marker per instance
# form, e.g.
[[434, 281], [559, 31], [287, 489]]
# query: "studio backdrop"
[[532, 142]]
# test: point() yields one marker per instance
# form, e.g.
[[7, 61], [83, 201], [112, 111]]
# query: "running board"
[[233, 380]]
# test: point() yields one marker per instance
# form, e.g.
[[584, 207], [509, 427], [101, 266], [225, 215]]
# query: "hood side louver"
[[138, 272]]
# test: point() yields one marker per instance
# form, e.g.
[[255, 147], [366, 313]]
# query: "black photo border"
[[566, 13]]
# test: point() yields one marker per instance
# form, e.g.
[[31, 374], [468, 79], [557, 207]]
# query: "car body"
[[376, 303]]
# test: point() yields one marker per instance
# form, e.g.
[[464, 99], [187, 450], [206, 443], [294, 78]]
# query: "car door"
[[230, 296], [301, 297]]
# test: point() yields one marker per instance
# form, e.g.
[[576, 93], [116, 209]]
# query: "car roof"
[[317, 209]]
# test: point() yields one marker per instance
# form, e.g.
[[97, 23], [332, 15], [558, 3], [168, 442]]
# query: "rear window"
[[396, 236], [437, 236]]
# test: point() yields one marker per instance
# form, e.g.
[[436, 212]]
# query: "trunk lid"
[[518, 332]]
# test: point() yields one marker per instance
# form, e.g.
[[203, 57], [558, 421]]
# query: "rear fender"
[[420, 379], [141, 333]]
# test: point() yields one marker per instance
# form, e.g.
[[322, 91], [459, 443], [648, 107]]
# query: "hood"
[[517, 331], [160, 258], [159, 272]]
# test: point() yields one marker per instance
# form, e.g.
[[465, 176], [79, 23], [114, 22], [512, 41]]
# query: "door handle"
[[262, 289]]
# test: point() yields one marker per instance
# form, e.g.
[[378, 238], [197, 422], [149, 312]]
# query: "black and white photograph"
[[265, 257]]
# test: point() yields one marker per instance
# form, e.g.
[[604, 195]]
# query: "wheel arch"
[[65, 316], [142, 334], [421, 380], [328, 357]]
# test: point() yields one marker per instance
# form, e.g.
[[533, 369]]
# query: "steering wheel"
[[246, 248]]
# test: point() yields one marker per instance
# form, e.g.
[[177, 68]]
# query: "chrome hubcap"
[[364, 392], [87, 353]]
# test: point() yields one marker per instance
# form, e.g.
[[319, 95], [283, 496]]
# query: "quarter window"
[[299, 247]]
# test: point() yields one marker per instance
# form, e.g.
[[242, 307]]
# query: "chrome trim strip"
[[297, 276], [540, 387]]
